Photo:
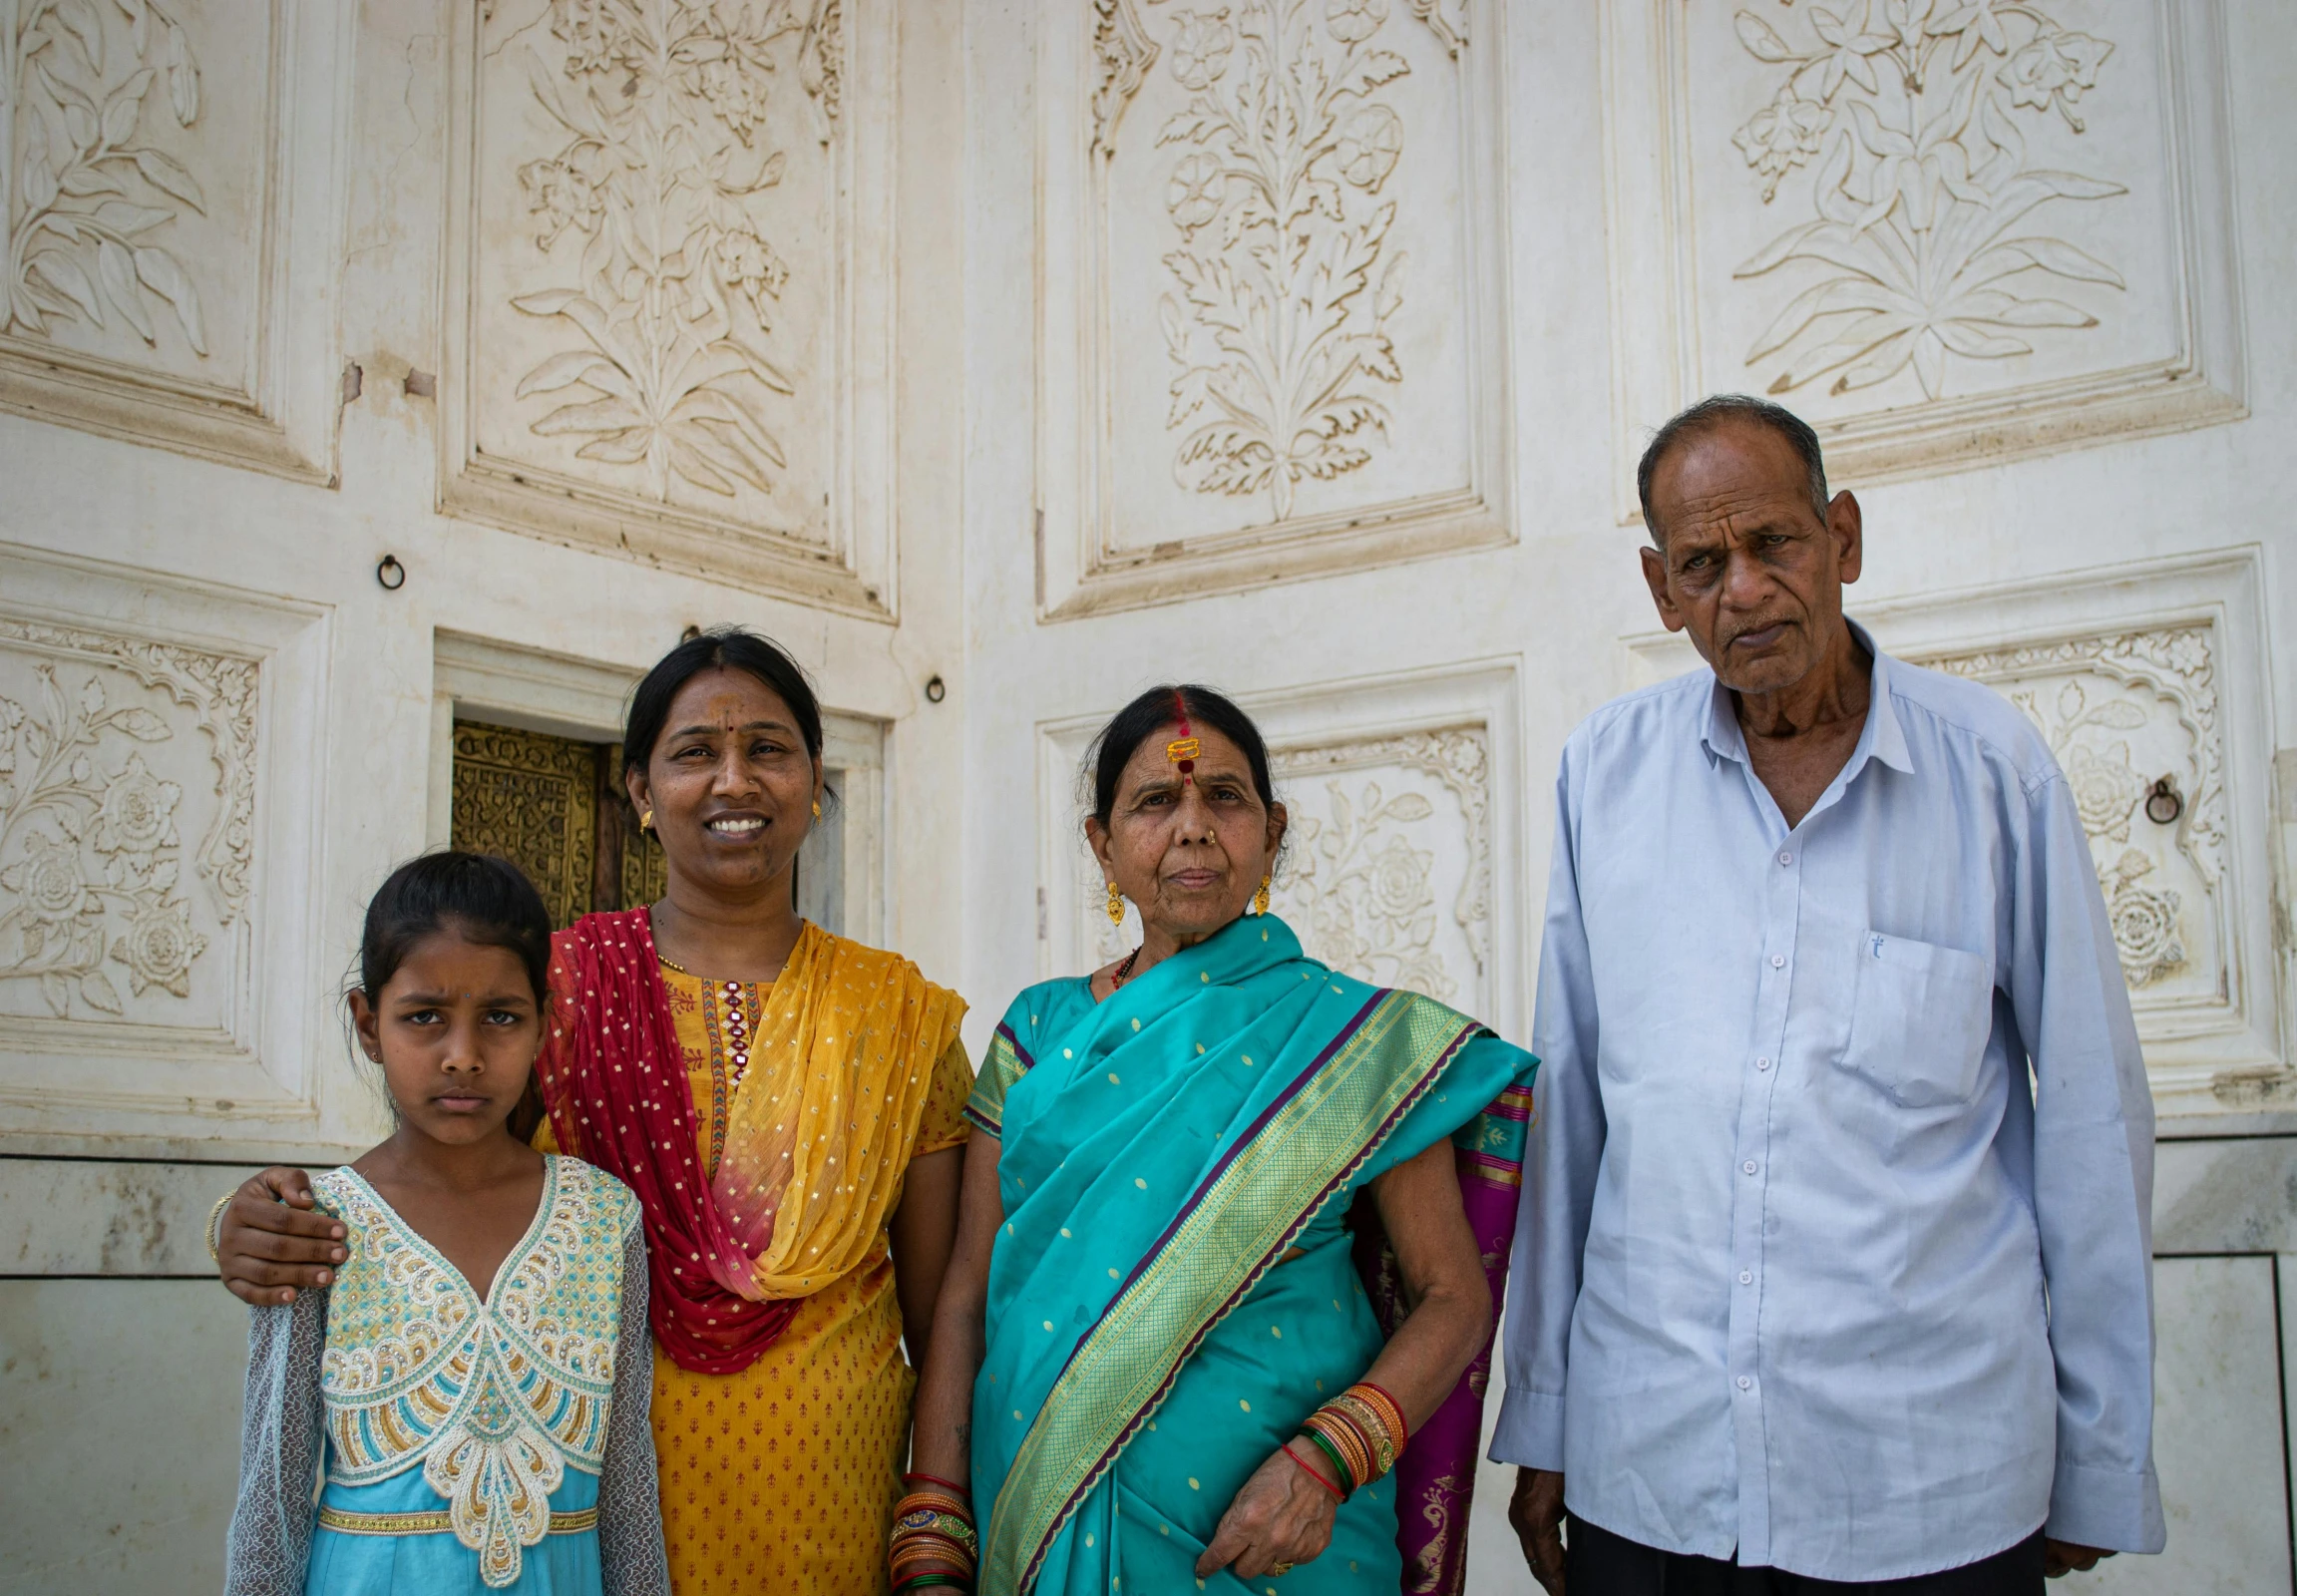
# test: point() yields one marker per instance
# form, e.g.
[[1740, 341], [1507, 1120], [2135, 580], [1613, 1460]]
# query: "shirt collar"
[[1883, 738]]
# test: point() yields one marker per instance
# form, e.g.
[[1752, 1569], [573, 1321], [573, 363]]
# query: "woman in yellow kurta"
[[786, 1106]]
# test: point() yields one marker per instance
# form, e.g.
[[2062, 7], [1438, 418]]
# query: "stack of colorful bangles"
[[1359, 1432], [933, 1542]]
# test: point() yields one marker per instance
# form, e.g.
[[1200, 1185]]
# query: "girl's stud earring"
[[1116, 906], [646, 821], [816, 809]]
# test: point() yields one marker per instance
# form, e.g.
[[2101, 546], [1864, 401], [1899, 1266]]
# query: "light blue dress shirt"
[[1808, 1271]]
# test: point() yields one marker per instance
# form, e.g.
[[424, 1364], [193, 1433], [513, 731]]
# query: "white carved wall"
[[670, 251], [155, 877], [1273, 292], [170, 206], [1943, 233]]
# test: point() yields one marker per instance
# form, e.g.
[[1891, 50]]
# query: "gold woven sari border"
[[441, 1522], [1099, 1399]]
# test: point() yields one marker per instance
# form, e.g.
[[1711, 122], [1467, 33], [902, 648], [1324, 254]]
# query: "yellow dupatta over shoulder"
[[783, 1476], [819, 1124]]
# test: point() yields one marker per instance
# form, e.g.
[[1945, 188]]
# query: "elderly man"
[[1833, 1266]]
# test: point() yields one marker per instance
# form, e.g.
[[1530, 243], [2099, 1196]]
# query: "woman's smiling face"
[[730, 783], [1191, 852]]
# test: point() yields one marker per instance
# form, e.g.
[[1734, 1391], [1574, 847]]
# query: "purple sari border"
[[1494, 1171], [1252, 1278], [1014, 1042]]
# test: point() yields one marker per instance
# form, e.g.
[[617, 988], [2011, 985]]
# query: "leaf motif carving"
[[2080, 689], [78, 227], [1920, 172], [90, 843], [1279, 330], [671, 294]]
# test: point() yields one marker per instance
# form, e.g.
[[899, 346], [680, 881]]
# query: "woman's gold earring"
[[816, 809], [1116, 906], [646, 821], [1259, 898]]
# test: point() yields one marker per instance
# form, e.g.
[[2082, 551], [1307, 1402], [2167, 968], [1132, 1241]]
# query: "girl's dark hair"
[[1159, 708], [735, 649], [481, 898]]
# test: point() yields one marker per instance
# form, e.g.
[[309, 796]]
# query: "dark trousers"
[[1599, 1563]]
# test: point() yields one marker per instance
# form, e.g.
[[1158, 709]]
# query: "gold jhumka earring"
[[1116, 906], [1259, 898]]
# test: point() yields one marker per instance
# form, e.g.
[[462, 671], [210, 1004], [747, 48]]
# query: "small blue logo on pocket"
[[1879, 946]]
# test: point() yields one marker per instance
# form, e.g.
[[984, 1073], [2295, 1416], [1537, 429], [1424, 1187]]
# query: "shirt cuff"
[[1530, 1430], [2107, 1509]]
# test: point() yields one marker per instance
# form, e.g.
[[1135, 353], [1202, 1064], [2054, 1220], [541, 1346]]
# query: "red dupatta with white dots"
[[821, 1123]]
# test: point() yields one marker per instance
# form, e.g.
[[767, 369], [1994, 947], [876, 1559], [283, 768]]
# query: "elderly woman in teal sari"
[[1223, 1296]]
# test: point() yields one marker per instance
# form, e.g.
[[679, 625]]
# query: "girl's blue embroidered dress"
[[403, 1434]]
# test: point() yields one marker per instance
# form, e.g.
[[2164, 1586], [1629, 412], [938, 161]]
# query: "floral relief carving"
[[1358, 877], [1907, 113], [1361, 895], [90, 855], [1276, 335], [2145, 932], [90, 90], [2077, 692], [223, 694], [653, 202]]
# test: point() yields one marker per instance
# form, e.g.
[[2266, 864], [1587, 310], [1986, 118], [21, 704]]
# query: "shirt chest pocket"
[[1919, 1019]]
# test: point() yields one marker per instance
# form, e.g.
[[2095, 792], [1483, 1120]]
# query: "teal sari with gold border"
[[1172, 1289]]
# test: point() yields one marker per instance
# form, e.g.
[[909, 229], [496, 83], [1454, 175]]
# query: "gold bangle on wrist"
[[212, 1231]]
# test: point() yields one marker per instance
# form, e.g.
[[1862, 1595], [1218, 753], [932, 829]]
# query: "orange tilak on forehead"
[[1183, 749]]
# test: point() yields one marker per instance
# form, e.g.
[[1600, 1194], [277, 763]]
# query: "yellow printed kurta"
[[782, 1478]]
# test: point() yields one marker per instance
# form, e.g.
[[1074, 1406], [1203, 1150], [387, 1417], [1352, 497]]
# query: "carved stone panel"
[[159, 960], [126, 782], [1388, 871], [1941, 232], [157, 273], [1273, 325], [2132, 717], [662, 257]]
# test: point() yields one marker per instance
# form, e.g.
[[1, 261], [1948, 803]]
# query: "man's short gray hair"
[[1722, 407]]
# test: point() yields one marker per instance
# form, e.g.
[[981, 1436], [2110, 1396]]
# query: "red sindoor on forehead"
[[1182, 750]]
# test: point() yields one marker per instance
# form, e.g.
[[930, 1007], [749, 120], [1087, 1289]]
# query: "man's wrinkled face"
[[1744, 564]]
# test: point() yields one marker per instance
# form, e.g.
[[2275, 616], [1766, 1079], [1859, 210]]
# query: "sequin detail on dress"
[[494, 1398]]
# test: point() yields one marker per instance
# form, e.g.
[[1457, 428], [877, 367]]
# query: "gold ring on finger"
[[1279, 1570]]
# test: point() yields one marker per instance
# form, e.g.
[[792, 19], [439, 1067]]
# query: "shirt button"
[[1762, 1064], [1744, 1384], [1779, 960], [1746, 1277], [1748, 1166], [1786, 857]]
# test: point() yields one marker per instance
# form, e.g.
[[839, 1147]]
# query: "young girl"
[[475, 1379]]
